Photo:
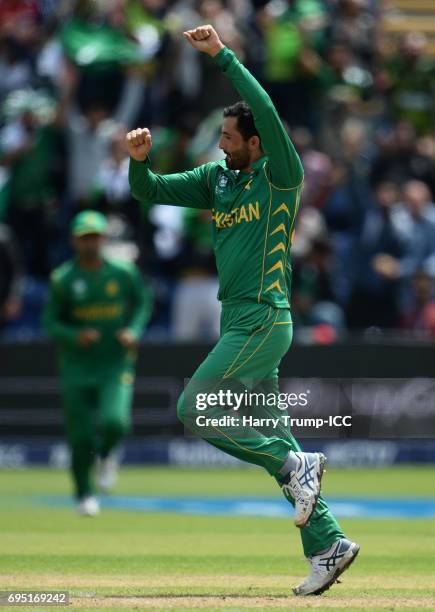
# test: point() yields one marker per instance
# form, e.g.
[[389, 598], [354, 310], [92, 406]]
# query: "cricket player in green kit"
[[254, 197], [95, 312]]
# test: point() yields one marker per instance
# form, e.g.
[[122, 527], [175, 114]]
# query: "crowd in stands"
[[75, 75]]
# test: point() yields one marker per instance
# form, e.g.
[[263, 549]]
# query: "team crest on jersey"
[[222, 183], [79, 288], [112, 288]]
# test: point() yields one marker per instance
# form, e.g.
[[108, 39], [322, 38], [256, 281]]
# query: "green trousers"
[[254, 338], [96, 419]]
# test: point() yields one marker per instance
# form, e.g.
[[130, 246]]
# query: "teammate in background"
[[96, 311], [254, 198]]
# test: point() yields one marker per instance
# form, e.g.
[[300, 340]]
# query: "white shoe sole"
[[320, 470], [88, 513], [349, 557]]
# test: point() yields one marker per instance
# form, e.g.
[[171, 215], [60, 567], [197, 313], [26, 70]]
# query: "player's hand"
[[87, 337], [126, 338], [205, 39], [139, 143]]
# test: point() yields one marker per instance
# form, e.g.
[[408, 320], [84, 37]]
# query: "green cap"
[[88, 222]]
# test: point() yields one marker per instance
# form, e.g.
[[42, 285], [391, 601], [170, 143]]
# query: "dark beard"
[[239, 163]]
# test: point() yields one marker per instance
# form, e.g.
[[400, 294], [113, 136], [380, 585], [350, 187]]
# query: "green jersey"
[[108, 299], [253, 213]]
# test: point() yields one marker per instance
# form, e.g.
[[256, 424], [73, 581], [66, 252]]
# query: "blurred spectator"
[[347, 200], [347, 88], [89, 133], [146, 23], [10, 277], [29, 150], [411, 76], [317, 168], [49, 61], [374, 291], [15, 68], [143, 18], [414, 221], [20, 19], [113, 172], [310, 226], [101, 53], [354, 23], [344, 213], [112, 195], [313, 297], [419, 315], [402, 157], [293, 31], [349, 196]]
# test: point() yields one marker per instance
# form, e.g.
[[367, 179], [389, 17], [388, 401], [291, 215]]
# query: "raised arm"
[[284, 163], [189, 189]]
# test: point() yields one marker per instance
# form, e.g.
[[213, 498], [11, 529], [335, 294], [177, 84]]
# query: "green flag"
[[90, 45]]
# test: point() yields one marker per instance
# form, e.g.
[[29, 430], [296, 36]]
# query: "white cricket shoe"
[[326, 567], [304, 485], [108, 473], [88, 506]]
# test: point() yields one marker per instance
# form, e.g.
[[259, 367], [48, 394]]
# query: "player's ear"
[[254, 142]]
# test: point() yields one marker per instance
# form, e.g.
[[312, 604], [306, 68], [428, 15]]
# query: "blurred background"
[[354, 81]]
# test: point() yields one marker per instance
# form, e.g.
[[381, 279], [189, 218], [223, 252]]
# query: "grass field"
[[132, 560]]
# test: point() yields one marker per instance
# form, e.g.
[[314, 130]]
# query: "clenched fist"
[[87, 337], [126, 338], [205, 39], [139, 143]]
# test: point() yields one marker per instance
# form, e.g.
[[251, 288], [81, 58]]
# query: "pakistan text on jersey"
[[92, 312], [246, 213]]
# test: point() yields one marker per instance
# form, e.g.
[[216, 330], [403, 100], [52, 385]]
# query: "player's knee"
[[115, 428]]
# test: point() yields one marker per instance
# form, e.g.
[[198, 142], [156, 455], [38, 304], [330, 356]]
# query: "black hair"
[[245, 119]]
